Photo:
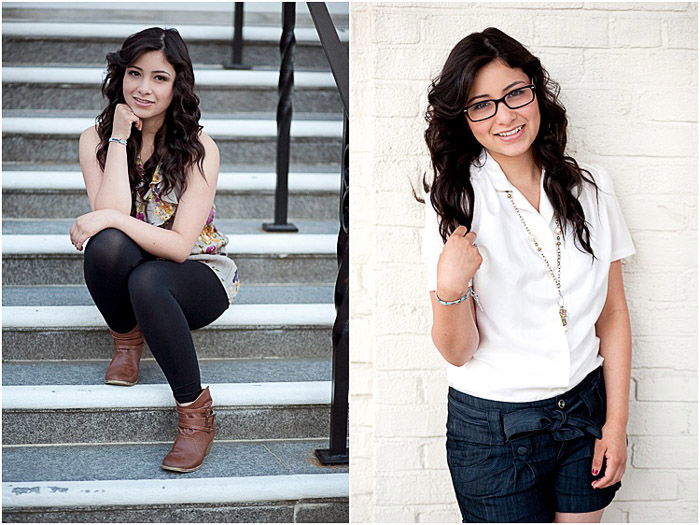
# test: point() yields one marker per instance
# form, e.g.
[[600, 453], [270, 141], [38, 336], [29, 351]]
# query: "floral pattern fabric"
[[210, 248]]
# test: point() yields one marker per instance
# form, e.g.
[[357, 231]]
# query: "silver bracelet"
[[470, 291], [120, 141], [456, 301]]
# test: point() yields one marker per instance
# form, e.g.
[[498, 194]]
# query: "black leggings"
[[166, 299]]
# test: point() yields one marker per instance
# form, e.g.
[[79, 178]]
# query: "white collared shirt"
[[524, 353]]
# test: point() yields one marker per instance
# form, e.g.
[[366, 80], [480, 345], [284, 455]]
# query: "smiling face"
[[510, 132], [148, 85]]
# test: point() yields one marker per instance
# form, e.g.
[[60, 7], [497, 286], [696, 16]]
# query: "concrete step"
[[256, 331], [51, 194], [260, 174], [115, 29], [261, 258], [84, 413], [78, 295], [208, 13], [243, 178], [216, 77], [48, 87], [260, 481], [88, 43], [16, 373], [54, 139], [235, 226]]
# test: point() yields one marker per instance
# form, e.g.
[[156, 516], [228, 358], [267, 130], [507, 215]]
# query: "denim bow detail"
[[562, 425]]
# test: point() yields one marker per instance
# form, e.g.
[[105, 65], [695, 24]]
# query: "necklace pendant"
[[562, 314]]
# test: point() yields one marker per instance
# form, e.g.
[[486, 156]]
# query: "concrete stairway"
[[77, 450]]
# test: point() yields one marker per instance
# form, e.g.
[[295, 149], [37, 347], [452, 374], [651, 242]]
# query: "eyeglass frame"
[[499, 100]]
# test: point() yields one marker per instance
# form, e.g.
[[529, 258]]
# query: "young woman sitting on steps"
[[155, 264]]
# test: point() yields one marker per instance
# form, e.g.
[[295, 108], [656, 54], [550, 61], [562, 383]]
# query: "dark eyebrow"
[[157, 71], [503, 91]]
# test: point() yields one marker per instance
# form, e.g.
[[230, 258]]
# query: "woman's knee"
[[147, 283], [109, 248]]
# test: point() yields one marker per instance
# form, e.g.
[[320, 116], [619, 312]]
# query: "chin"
[[514, 151], [140, 113]]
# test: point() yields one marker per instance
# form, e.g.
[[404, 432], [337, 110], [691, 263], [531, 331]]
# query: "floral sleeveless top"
[[210, 249]]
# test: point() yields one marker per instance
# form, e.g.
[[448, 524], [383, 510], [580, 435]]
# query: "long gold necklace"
[[557, 277]]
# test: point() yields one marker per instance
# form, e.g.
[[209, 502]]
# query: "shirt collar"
[[494, 172], [488, 165]]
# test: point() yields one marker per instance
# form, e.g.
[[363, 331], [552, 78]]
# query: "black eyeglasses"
[[485, 109]]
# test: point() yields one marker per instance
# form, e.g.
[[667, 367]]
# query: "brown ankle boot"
[[195, 435], [124, 368]]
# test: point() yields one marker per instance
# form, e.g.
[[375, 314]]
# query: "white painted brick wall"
[[628, 73]]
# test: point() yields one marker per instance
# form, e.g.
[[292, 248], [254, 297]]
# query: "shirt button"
[[522, 451], [561, 403]]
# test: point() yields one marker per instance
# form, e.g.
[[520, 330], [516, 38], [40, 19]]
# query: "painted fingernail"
[[595, 472]]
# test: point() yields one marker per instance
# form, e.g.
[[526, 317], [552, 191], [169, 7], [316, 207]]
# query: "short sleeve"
[[432, 244], [621, 244]]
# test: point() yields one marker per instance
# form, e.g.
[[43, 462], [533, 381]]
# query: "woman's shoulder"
[[599, 175], [87, 145], [210, 160], [90, 135], [208, 143]]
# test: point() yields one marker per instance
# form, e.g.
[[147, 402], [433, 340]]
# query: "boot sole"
[[119, 382], [180, 469]]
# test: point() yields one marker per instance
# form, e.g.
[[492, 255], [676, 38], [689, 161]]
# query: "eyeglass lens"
[[487, 109]]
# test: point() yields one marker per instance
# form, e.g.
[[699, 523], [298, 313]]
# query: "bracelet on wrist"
[[118, 140], [456, 301], [470, 291]]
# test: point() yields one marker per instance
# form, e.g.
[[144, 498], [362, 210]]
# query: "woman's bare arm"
[[455, 332], [111, 189], [108, 190], [613, 329], [192, 213]]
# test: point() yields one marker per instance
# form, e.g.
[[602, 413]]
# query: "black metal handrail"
[[336, 54], [338, 452]]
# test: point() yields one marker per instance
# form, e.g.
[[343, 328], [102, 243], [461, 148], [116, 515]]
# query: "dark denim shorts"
[[521, 462]]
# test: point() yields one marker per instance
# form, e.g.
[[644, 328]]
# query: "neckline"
[[502, 185]]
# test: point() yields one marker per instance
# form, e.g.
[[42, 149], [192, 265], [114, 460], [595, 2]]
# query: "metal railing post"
[[284, 120], [237, 48], [338, 452]]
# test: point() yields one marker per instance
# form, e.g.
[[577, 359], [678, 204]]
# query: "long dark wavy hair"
[[453, 147], [176, 145]]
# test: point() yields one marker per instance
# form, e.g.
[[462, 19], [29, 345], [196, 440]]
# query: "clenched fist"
[[124, 118], [458, 262]]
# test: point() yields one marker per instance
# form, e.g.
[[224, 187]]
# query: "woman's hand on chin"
[[90, 224]]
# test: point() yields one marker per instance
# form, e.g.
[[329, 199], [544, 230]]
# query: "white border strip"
[[65, 397], [73, 126], [46, 317], [280, 244], [173, 491], [203, 77], [76, 30], [228, 181], [226, 7]]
